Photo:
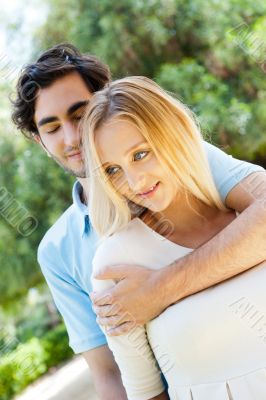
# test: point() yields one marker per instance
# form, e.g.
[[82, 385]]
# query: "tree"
[[212, 57], [33, 193]]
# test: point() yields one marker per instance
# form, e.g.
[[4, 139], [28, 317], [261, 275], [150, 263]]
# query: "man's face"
[[58, 111]]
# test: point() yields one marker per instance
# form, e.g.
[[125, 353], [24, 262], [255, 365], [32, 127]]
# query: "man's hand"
[[134, 300]]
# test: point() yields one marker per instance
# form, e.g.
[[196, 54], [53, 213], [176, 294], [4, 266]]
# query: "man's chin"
[[78, 173]]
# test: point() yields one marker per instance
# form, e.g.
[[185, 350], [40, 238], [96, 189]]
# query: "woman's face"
[[132, 166]]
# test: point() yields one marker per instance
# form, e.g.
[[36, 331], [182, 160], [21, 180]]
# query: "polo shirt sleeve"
[[72, 302], [227, 171]]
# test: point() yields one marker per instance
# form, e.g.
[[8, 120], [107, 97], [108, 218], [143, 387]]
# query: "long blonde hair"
[[172, 133]]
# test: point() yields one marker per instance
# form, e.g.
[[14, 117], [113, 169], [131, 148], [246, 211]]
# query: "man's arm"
[[238, 247], [105, 373], [75, 306], [107, 377]]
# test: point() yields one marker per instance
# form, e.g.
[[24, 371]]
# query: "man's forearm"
[[238, 247], [105, 373], [110, 388]]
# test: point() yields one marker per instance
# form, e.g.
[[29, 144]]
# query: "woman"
[[143, 147]]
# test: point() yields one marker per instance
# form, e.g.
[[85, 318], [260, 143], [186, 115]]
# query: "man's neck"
[[84, 185]]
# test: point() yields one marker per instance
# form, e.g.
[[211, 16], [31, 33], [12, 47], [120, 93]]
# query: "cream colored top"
[[209, 346]]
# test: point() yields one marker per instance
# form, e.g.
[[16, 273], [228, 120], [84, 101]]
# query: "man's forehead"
[[62, 95]]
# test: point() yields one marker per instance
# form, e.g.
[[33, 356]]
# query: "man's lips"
[[150, 191], [74, 156]]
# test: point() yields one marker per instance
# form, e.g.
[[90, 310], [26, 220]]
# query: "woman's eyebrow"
[[135, 146], [126, 153]]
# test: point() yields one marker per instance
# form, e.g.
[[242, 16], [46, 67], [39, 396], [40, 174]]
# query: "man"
[[51, 97]]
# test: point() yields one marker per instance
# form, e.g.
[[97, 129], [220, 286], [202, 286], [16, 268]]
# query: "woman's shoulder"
[[119, 247]]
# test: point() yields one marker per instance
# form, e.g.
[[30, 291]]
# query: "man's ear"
[[37, 139]]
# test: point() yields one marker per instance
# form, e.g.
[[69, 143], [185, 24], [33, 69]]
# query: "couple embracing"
[[166, 231]]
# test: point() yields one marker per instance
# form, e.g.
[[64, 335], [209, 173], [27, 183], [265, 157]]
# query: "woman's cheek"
[[121, 186], [156, 163]]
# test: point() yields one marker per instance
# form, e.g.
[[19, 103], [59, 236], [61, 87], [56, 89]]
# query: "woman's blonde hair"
[[172, 133]]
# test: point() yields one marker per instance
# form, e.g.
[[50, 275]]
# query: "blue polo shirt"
[[65, 254]]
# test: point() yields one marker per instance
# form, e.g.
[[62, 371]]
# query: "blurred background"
[[210, 54]]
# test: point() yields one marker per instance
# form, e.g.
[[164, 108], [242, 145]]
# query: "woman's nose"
[[136, 180]]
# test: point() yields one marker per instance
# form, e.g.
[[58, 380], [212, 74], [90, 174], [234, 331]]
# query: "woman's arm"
[[107, 377], [140, 374]]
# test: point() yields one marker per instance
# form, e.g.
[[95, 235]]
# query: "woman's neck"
[[187, 212], [183, 220], [188, 221]]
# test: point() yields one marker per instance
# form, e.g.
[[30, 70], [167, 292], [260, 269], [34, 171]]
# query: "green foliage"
[[32, 316], [21, 367], [210, 98], [211, 57], [44, 196], [55, 345], [30, 187], [31, 360]]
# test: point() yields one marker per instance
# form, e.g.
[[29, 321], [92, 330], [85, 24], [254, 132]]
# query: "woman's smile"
[[150, 192]]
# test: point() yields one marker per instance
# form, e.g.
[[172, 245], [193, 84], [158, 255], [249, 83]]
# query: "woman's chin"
[[156, 208], [153, 206]]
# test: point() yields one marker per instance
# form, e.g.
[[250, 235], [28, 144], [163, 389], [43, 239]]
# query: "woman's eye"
[[111, 170], [140, 155]]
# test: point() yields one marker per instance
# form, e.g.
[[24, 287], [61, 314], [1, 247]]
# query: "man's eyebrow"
[[76, 106], [46, 120], [70, 111]]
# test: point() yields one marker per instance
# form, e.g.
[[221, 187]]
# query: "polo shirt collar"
[[81, 208]]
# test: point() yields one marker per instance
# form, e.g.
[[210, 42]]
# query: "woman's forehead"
[[116, 139]]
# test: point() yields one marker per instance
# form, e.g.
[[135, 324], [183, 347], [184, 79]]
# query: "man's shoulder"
[[64, 227]]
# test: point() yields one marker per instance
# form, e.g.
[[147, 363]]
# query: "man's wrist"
[[170, 283]]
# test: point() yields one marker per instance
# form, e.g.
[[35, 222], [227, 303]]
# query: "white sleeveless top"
[[209, 346]]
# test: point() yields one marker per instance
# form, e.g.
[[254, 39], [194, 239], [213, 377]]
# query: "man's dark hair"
[[53, 64]]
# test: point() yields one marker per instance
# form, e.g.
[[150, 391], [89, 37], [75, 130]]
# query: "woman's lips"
[[150, 191]]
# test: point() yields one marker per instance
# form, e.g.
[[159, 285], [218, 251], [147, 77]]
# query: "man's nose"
[[71, 135]]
